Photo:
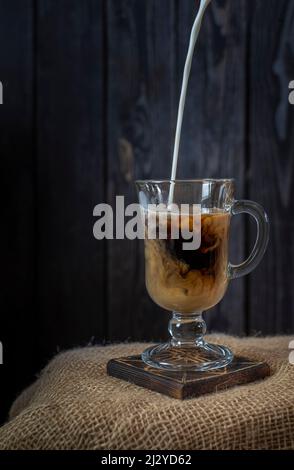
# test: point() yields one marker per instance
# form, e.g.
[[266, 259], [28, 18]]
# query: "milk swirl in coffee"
[[189, 280]]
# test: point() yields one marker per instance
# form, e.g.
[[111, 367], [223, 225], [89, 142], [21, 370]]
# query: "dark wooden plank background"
[[18, 255], [271, 151], [70, 172], [91, 90]]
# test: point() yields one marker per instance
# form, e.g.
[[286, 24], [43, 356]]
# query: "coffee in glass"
[[190, 281]]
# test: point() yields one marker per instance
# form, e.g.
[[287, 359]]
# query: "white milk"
[[193, 40]]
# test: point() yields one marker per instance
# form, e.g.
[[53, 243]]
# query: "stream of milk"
[[193, 39]]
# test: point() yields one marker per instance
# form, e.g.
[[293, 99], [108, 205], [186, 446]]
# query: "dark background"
[[91, 89]]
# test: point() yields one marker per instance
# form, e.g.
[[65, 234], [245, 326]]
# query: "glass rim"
[[200, 180]]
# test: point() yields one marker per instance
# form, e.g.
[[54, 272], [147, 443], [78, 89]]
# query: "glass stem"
[[187, 329]]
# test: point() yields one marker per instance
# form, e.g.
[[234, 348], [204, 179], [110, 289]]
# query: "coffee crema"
[[189, 280]]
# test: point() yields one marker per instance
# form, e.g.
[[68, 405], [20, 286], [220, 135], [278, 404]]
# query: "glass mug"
[[190, 281]]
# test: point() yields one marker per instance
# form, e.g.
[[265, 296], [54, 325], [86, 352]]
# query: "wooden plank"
[[213, 137], [188, 384], [271, 157], [141, 121], [70, 168], [17, 214]]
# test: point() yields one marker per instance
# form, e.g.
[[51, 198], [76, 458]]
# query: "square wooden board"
[[182, 385]]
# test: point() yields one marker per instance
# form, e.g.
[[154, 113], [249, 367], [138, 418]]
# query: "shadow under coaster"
[[182, 385]]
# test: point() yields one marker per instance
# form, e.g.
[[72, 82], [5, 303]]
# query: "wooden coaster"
[[183, 385]]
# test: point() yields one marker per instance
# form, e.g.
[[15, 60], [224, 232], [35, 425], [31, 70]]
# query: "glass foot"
[[199, 357]]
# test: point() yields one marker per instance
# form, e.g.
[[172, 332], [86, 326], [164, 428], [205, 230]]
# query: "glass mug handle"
[[261, 218]]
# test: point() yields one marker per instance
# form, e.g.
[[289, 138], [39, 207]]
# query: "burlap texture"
[[75, 405]]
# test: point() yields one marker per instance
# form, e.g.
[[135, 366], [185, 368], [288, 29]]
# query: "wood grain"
[[91, 90], [183, 385], [70, 115], [271, 162], [140, 121]]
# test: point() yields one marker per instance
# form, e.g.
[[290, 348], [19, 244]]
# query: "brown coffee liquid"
[[188, 281]]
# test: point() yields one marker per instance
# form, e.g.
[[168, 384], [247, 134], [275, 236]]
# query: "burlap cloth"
[[75, 405]]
